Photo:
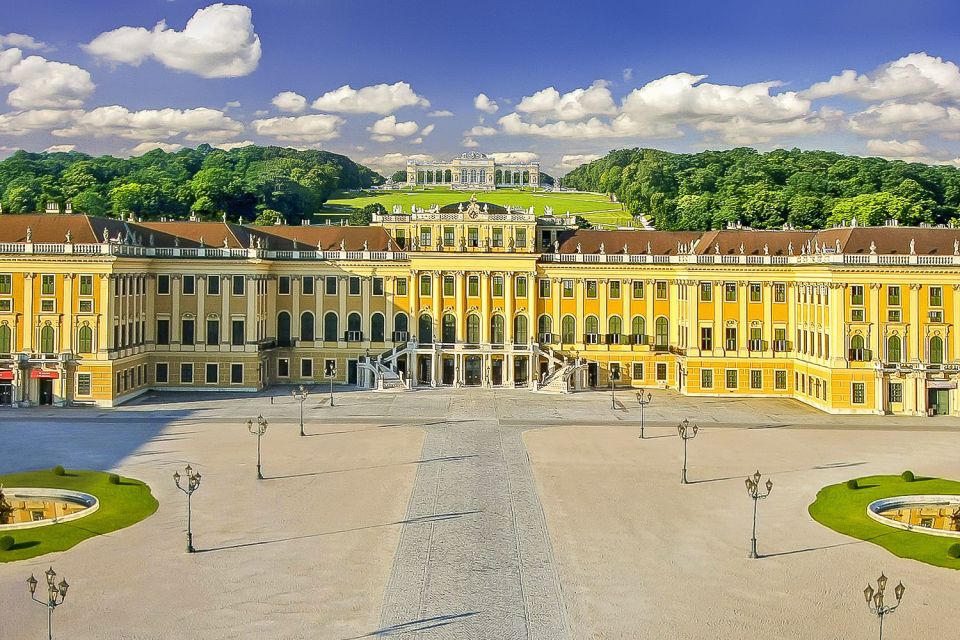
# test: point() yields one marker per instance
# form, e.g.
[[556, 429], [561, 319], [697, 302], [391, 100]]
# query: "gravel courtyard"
[[475, 514]]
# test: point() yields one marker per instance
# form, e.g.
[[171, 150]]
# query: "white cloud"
[[233, 104], [427, 130], [381, 98], [22, 41], [514, 156], [485, 104], [577, 104], [219, 41], [628, 74], [60, 148], [145, 147], [289, 102], [620, 127], [574, 160], [20, 123], [307, 129], [916, 75], [390, 162], [896, 118], [897, 149], [440, 113], [481, 131], [40, 83], [388, 129], [470, 143], [227, 146], [417, 140], [198, 125]]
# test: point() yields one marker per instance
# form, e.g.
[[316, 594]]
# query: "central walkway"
[[474, 560]]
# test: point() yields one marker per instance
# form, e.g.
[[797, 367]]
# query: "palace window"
[[425, 285], [401, 286], [568, 330], [6, 339], [756, 293], [591, 288], [936, 350], [520, 329], [893, 295], [425, 237], [895, 391], [706, 378], [354, 285], [498, 236], [6, 284], [521, 238], [283, 286], [448, 286], [163, 331], [638, 371], [448, 236], [283, 367], [306, 285], [567, 286], [473, 237], [544, 285], [779, 292], [730, 338], [756, 379], [638, 289], [473, 286], [856, 295], [936, 296], [330, 286], [331, 324], [639, 326], [706, 293], [498, 286], [496, 329], [662, 328], [706, 338], [213, 285], [213, 331], [780, 379], [189, 287], [377, 332], [238, 285], [48, 285], [661, 290], [893, 349], [306, 368], [521, 285], [661, 372], [236, 374], [163, 284], [613, 290], [731, 378], [473, 329], [212, 373], [858, 393], [730, 292], [186, 373], [86, 285], [187, 331]]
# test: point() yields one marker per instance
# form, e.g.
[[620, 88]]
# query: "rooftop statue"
[[602, 249], [766, 249], [913, 247], [790, 249], [342, 244], [578, 248], [873, 248]]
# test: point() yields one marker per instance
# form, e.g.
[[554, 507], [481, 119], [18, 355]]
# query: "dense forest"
[[250, 182], [806, 189]]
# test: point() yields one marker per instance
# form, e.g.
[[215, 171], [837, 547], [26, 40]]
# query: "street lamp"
[[687, 431], [301, 394], [754, 492], [56, 594], [643, 403], [193, 483], [614, 376], [258, 430], [330, 371], [875, 599]]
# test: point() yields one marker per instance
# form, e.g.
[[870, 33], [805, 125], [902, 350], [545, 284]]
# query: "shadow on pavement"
[[417, 625]]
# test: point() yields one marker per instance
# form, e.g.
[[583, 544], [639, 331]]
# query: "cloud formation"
[[485, 104], [289, 102], [387, 163], [146, 147], [196, 125], [219, 41], [382, 99], [574, 160], [300, 129], [577, 104], [40, 83], [514, 156], [21, 41], [917, 75], [388, 129]]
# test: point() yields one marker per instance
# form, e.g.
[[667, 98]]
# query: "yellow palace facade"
[[847, 320]]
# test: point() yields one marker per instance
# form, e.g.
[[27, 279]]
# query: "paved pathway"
[[475, 560]]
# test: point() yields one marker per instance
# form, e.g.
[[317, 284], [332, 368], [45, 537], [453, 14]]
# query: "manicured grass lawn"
[[589, 205], [121, 505], [845, 510]]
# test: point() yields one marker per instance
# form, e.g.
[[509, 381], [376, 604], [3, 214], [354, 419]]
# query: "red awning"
[[6, 374], [43, 373]]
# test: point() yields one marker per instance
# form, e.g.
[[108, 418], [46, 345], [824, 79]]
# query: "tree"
[[268, 216], [90, 202], [364, 216], [873, 209], [399, 176]]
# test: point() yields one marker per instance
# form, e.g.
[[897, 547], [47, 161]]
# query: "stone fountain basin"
[[875, 508], [15, 494]]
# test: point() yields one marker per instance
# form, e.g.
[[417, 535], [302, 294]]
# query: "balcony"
[[591, 338], [756, 345], [781, 345], [614, 338], [639, 338], [662, 348], [399, 336], [353, 336], [547, 338]]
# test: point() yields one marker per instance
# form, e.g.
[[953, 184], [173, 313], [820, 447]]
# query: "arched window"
[[306, 327], [84, 340], [473, 176], [591, 325], [662, 329], [46, 339], [614, 325], [447, 175], [473, 329], [401, 323], [6, 339], [376, 327], [856, 342], [448, 331], [330, 327], [568, 330], [893, 349], [498, 176], [496, 329], [936, 350], [544, 325], [283, 329], [525, 177], [353, 322], [639, 326], [425, 329], [520, 330]]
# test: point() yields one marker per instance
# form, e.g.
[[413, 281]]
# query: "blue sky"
[[561, 82]]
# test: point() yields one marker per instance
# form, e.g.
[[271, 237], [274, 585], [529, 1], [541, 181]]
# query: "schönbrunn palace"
[[847, 320]]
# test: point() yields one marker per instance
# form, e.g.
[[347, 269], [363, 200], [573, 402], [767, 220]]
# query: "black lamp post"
[[687, 431], [330, 371], [875, 603], [56, 594], [193, 483], [258, 430], [643, 403], [755, 493], [301, 394], [614, 376]]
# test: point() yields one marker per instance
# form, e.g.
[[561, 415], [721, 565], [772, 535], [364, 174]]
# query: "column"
[[67, 340], [719, 292], [485, 307], [913, 332], [388, 313], [149, 291], [532, 288], [175, 319], [648, 294], [318, 293], [250, 325], [342, 284], [201, 290], [365, 286], [508, 310], [602, 292], [792, 315], [461, 294], [437, 290], [295, 328], [413, 295], [579, 294], [743, 323], [556, 291], [226, 291], [836, 332], [693, 318], [955, 355]]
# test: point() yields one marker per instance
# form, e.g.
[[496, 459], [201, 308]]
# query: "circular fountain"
[[936, 515], [29, 507]]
